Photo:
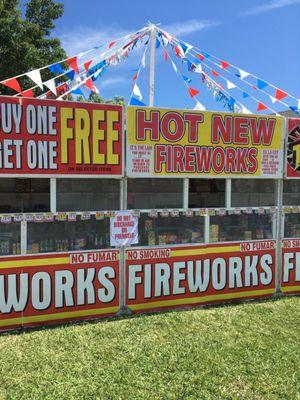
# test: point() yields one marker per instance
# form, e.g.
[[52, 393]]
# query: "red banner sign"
[[44, 289], [293, 149], [48, 137], [290, 278], [159, 278]]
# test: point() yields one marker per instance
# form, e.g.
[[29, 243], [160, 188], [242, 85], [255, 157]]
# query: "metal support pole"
[[228, 193], [185, 193], [152, 66], [53, 195], [279, 233], [123, 193], [23, 237], [206, 227]]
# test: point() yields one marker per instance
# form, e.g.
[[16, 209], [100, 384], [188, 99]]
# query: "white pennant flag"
[[230, 85], [199, 106], [143, 63], [198, 69], [174, 66], [137, 92], [51, 85], [35, 76], [299, 104], [245, 110], [243, 73], [272, 99]]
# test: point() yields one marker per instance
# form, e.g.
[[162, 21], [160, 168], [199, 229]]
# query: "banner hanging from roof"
[[48, 137], [183, 143], [293, 148]]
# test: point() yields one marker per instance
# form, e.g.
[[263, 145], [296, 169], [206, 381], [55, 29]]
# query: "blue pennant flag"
[[245, 95], [261, 84], [136, 102], [78, 91], [238, 75], [157, 43], [186, 79], [206, 55], [183, 46], [56, 68], [294, 108], [190, 65], [70, 74], [231, 101]]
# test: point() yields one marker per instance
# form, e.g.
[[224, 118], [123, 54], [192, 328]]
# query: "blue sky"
[[259, 36]]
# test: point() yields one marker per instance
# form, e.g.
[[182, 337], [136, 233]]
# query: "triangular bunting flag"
[[245, 110], [35, 76], [137, 92], [199, 69], [70, 75], [272, 99], [157, 43], [72, 63], [56, 68], [206, 55], [200, 56], [294, 108], [27, 93], [51, 85], [215, 73], [90, 85], [166, 55], [136, 102], [261, 84], [135, 76], [12, 84], [261, 106], [243, 74], [143, 62], [199, 106], [78, 91], [193, 92], [299, 104], [280, 94], [224, 64], [230, 85], [178, 51], [111, 44], [186, 79], [87, 65]]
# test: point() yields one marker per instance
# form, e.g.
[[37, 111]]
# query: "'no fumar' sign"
[[123, 229]]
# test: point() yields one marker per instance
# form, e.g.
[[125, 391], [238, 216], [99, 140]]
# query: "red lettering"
[[221, 129], [193, 120], [262, 130], [240, 130], [160, 157], [166, 121], [143, 125]]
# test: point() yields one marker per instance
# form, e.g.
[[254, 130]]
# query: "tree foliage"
[[26, 41], [96, 98]]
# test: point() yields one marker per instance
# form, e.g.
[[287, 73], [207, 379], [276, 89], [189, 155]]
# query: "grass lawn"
[[248, 351]]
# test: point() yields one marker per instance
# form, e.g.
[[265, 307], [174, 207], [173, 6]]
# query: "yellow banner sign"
[[185, 143]]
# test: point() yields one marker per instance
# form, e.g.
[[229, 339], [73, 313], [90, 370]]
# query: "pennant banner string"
[[96, 73], [194, 96], [79, 55], [224, 66], [141, 64], [212, 80]]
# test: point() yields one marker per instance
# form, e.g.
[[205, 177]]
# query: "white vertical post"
[[228, 193], [53, 195], [123, 193], [152, 66], [206, 227], [23, 237], [185, 193], [279, 232]]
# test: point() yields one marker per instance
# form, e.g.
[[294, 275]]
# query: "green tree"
[[96, 98], [26, 41]]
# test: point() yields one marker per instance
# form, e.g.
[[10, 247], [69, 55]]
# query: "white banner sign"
[[124, 229]]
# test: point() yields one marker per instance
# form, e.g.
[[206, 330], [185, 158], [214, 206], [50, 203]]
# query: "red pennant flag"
[[27, 93], [261, 107], [254, 87], [12, 84], [90, 85], [280, 94], [193, 92], [111, 44], [214, 73], [224, 64], [87, 65], [72, 63], [135, 77], [200, 56], [166, 55], [177, 51]]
